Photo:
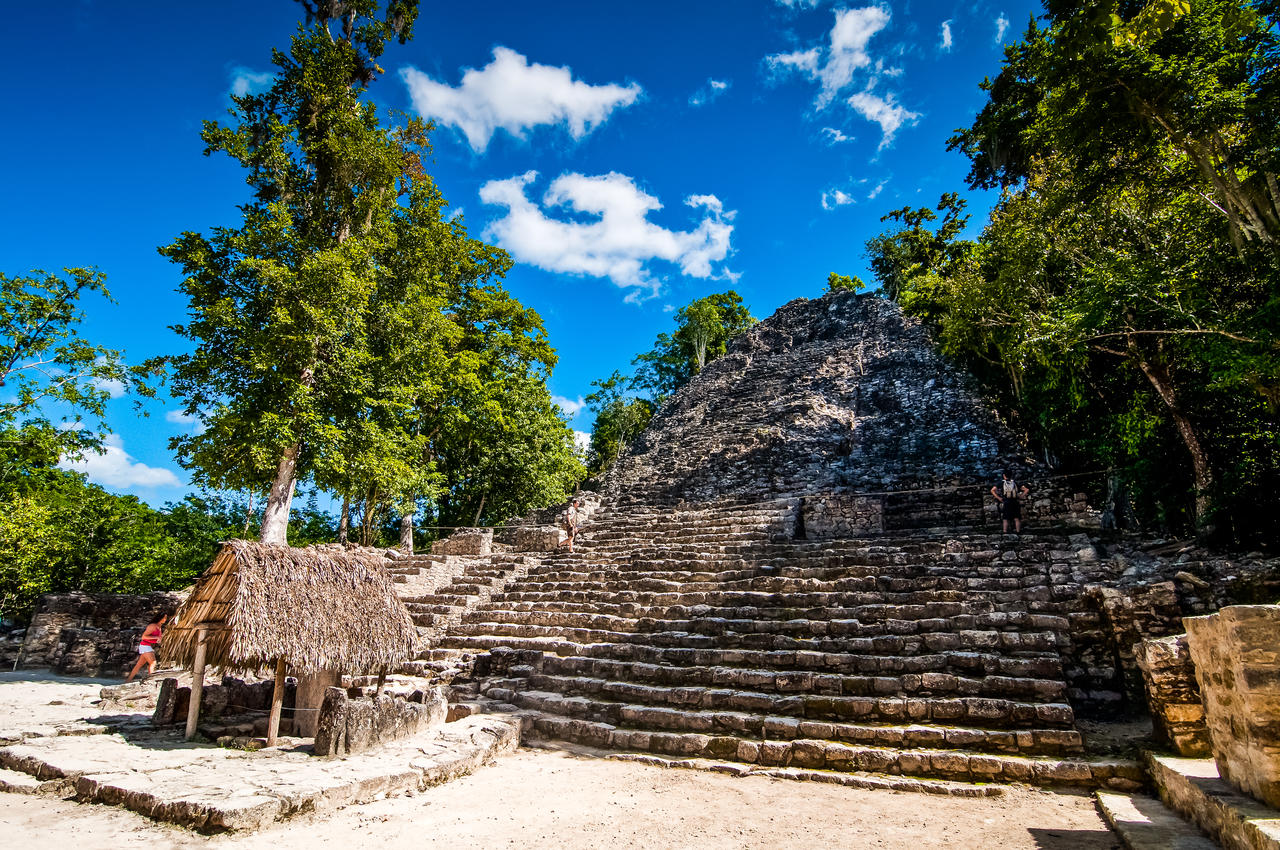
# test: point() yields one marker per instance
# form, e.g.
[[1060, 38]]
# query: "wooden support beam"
[[277, 703], [197, 685]]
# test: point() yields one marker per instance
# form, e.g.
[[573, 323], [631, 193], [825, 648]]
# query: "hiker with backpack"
[[1010, 495]]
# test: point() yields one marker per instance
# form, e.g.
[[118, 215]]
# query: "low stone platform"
[[212, 789], [1144, 823], [1193, 788]]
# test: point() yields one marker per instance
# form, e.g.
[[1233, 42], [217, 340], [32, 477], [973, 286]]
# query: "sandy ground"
[[558, 799]]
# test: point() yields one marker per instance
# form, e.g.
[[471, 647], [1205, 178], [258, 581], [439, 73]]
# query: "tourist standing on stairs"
[[1010, 495], [572, 519], [147, 647]]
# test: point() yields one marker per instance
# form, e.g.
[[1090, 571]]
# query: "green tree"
[[1123, 296], [913, 249], [44, 362], [843, 283], [1120, 89], [620, 417], [279, 305], [704, 327]]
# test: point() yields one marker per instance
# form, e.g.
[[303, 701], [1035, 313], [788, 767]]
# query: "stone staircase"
[[790, 568], [706, 632], [439, 590]]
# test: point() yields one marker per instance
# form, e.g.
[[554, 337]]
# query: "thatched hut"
[[314, 610]]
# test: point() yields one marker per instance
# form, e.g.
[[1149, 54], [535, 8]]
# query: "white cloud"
[[570, 407], [112, 387], [844, 61], [618, 241], [582, 440], [513, 95], [834, 136], [180, 417], [713, 89], [879, 187], [798, 4], [116, 468], [845, 53], [833, 198], [1002, 25], [945, 42], [247, 81], [885, 112]]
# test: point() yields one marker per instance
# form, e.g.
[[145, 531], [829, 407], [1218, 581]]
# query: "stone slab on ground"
[[1144, 823], [211, 789], [1193, 788]]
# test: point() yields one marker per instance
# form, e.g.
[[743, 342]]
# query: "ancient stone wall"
[[229, 697], [466, 541], [348, 725], [91, 634], [1236, 653], [1177, 713]]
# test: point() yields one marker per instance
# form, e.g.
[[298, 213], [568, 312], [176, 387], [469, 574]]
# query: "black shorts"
[[1011, 508]]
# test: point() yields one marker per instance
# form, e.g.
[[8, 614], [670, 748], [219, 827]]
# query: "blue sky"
[[631, 157]]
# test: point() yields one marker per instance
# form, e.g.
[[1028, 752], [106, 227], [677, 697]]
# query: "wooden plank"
[[277, 703]]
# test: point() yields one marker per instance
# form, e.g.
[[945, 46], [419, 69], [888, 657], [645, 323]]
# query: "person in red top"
[[147, 647]]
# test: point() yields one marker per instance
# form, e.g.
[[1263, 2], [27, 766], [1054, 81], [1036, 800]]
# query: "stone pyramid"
[[795, 568]]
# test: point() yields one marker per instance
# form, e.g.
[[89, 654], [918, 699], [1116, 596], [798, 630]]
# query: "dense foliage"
[[59, 533], [1124, 296], [349, 332]]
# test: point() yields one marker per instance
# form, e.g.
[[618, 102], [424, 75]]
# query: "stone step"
[[684, 656], [866, 620], [440, 600], [875, 640], [882, 700], [793, 680], [834, 755], [865, 607], [903, 734], [596, 595], [1145, 823]]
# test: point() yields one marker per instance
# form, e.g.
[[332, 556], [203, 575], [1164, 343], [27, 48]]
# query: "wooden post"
[[277, 703], [197, 685]]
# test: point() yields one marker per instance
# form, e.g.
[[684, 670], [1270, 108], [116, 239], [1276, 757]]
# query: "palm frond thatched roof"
[[318, 608]]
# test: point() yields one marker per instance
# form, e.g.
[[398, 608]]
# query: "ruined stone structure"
[[1236, 653], [798, 565], [90, 634]]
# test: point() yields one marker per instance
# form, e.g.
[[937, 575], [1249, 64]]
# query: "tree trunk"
[[1158, 375], [344, 523], [406, 531], [248, 515], [366, 520], [476, 522], [275, 517]]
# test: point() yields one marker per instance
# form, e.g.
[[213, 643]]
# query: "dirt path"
[[554, 799]]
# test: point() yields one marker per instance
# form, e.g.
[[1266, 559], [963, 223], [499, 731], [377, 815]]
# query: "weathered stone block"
[[540, 539], [1241, 697], [1177, 716]]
